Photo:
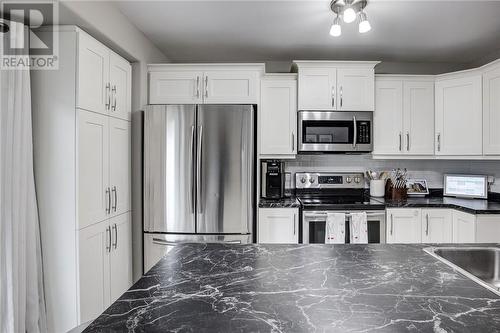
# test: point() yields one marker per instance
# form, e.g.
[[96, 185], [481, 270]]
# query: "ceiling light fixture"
[[336, 29], [349, 10], [364, 24]]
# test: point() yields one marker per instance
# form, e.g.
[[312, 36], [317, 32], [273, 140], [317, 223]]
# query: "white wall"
[[432, 170]]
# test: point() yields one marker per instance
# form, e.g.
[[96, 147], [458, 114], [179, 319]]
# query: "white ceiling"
[[239, 31]]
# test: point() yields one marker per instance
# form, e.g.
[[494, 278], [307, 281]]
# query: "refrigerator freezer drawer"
[[157, 245]]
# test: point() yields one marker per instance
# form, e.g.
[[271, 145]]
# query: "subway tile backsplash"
[[431, 170]]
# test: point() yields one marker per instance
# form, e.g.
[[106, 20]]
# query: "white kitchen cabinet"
[[336, 85], [317, 89], [104, 79], [356, 89], [105, 267], [388, 117], [94, 268], [120, 78], [437, 226], [204, 83], [80, 150], [464, 227], [278, 225], [404, 115], [458, 115], [418, 117], [491, 111], [487, 228], [120, 178], [93, 75], [404, 225], [230, 87], [278, 116], [121, 252], [93, 167], [175, 87]]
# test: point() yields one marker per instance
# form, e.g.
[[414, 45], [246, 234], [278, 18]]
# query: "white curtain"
[[21, 289]]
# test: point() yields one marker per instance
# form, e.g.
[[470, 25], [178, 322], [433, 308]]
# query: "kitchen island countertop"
[[302, 288]]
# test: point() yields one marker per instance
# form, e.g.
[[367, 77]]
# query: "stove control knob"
[[348, 180], [303, 180], [357, 180], [311, 180]]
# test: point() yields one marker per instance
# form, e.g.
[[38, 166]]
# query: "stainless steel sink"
[[481, 264]]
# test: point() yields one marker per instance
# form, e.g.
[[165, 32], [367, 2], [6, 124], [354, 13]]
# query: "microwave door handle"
[[355, 138]]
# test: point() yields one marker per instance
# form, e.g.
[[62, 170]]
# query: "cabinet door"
[[175, 87], [317, 89], [93, 91], [121, 255], [278, 117], [404, 226], [230, 87], [120, 77], [388, 118], [491, 112], [418, 115], [278, 225], [464, 227], [459, 116], [119, 165], [436, 226], [93, 168], [94, 247], [355, 89]]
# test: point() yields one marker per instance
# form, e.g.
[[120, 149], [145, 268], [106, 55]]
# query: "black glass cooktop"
[[339, 202]]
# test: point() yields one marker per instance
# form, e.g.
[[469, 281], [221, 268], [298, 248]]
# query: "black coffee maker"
[[272, 184]]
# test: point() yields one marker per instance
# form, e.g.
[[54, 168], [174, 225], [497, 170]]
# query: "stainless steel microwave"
[[335, 132]]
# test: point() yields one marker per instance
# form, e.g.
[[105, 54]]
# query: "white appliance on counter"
[[466, 186], [198, 176]]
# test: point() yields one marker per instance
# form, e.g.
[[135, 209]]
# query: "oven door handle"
[[324, 215]]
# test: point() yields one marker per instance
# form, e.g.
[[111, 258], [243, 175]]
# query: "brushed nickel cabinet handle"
[[392, 223], [108, 239], [407, 141], [333, 97], [108, 201], [439, 141], [115, 197], [198, 86], [113, 92], [115, 244], [294, 224], [427, 224], [400, 141], [206, 86], [341, 96], [293, 142], [108, 96]]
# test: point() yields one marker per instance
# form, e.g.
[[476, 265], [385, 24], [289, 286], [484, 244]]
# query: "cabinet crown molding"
[[331, 64], [260, 67]]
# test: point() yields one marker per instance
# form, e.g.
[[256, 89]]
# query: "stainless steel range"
[[321, 193]]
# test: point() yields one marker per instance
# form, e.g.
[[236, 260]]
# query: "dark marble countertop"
[[290, 202], [473, 206], [302, 288]]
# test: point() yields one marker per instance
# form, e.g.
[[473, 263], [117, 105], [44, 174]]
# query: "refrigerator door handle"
[[199, 170], [193, 171]]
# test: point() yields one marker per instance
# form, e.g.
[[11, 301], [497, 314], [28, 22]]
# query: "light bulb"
[[336, 29], [349, 15], [364, 24]]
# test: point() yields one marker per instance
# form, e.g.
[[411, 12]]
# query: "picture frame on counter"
[[417, 187]]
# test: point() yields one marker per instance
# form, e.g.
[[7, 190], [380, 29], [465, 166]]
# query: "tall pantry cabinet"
[[82, 142]]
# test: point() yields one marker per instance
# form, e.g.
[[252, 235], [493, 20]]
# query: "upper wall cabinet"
[[104, 79], [204, 83], [335, 85], [458, 115], [491, 110], [278, 116], [404, 116]]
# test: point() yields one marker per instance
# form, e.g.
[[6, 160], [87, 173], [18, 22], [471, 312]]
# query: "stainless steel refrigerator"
[[198, 176]]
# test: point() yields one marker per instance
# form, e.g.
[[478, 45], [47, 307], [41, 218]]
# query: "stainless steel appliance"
[[272, 180], [321, 193], [198, 175], [335, 132]]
